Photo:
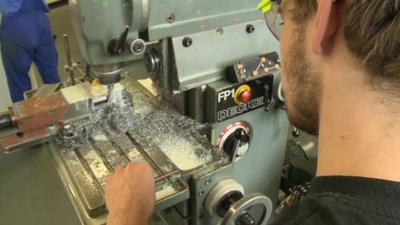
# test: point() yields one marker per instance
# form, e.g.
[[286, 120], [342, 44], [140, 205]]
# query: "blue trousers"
[[26, 39]]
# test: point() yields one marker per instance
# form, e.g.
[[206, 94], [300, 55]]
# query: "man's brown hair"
[[372, 33]]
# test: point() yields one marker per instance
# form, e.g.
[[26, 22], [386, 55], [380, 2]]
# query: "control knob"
[[235, 140]]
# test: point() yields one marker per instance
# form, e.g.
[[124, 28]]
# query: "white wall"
[[5, 99], [4, 94]]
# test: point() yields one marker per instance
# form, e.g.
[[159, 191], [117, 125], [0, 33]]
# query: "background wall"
[[4, 95], [5, 100], [61, 24]]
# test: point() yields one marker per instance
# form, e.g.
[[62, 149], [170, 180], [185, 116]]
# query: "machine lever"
[[118, 46], [235, 143], [267, 97], [70, 66]]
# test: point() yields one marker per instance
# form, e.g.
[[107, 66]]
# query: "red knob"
[[245, 96]]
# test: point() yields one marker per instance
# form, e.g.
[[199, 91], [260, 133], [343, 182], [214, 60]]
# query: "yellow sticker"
[[265, 6]]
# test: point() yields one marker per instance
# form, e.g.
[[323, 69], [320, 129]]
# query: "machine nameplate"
[[225, 106], [239, 109]]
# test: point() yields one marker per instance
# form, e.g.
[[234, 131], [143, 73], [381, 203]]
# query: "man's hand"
[[129, 195]]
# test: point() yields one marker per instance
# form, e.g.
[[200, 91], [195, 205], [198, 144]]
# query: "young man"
[[26, 37], [341, 65]]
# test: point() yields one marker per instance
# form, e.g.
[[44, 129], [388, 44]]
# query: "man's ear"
[[326, 26]]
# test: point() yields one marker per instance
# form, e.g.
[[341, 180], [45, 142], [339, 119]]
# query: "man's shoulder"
[[337, 207], [306, 212]]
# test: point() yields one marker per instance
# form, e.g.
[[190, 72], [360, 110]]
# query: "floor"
[[31, 192]]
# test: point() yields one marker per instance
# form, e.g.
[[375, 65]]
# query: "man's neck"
[[357, 134]]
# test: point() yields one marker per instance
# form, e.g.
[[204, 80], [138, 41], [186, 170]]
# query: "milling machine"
[[214, 131]]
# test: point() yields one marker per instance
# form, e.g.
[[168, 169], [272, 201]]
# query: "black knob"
[[296, 132], [242, 136], [250, 28], [237, 139], [118, 46], [187, 42]]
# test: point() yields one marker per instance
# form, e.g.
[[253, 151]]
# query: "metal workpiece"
[[121, 107]]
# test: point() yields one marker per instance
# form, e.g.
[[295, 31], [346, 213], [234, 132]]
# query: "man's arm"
[[129, 195]]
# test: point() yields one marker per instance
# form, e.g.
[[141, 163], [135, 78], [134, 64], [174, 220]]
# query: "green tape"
[[265, 6]]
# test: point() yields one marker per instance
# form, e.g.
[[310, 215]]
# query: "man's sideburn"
[[302, 85]]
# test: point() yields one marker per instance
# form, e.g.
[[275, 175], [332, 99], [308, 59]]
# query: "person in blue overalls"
[[26, 38]]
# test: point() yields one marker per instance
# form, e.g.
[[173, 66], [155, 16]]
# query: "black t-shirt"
[[346, 201]]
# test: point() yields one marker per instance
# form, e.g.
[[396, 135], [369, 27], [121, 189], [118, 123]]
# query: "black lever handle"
[[267, 97], [118, 46]]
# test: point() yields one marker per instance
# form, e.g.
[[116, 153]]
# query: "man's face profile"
[[301, 79]]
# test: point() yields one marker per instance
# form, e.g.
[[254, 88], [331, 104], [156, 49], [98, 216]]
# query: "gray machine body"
[[217, 29]]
